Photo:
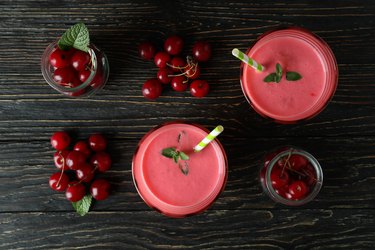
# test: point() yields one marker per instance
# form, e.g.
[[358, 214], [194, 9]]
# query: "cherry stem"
[[62, 169], [176, 67], [286, 161]]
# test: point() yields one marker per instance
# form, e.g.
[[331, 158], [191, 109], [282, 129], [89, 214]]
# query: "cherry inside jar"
[[291, 176]]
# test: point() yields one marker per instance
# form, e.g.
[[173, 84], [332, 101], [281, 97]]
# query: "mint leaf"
[[293, 76], [175, 157], [184, 156], [279, 72], [82, 206], [169, 152], [77, 37], [270, 78], [184, 168]]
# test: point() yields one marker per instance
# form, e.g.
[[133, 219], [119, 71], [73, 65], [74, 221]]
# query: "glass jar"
[[179, 189], [99, 73], [291, 176], [296, 50]]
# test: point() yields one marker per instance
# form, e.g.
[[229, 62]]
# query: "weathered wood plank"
[[234, 229], [348, 167]]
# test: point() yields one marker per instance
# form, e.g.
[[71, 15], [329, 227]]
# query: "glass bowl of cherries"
[[291, 176], [73, 66]]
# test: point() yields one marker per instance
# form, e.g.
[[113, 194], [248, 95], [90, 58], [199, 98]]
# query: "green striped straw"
[[209, 138], [249, 61]]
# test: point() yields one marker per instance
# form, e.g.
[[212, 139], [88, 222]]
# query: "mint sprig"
[[174, 154], [277, 76], [77, 37], [82, 206]]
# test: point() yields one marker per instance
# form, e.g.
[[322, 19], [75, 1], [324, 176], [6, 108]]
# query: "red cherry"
[[283, 192], [82, 147], [97, 142], [152, 89], [100, 189], [163, 75], [85, 173], [173, 45], [199, 88], [193, 72], [102, 161], [80, 59], [179, 83], [298, 190], [161, 59], [98, 80], [75, 83], [146, 50], [279, 178], [177, 64], [55, 184], [75, 160], [64, 75], [59, 159], [83, 75], [202, 51], [75, 191], [60, 140], [297, 161], [59, 58]]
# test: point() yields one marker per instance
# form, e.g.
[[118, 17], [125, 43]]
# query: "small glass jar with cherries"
[[291, 176], [75, 72]]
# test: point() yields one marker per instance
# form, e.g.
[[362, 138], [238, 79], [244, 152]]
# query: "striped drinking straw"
[[209, 138], [249, 61]]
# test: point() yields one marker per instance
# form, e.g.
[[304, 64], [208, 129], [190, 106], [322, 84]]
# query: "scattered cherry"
[[60, 140], [75, 191], [59, 58], [163, 75], [80, 59], [97, 142], [82, 147], [75, 160], [173, 45], [100, 189], [146, 50], [161, 59], [59, 159], [177, 64], [85, 173], [101, 161], [59, 181], [179, 83], [298, 190], [202, 51], [152, 89], [199, 88]]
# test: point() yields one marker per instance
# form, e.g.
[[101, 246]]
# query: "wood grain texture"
[[342, 137], [239, 229]]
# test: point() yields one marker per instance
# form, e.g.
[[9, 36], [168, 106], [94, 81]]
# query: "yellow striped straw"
[[209, 138], [249, 61]]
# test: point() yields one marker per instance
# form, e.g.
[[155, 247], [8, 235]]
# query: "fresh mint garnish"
[[77, 37], [293, 76], [82, 206], [277, 76], [176, 156]]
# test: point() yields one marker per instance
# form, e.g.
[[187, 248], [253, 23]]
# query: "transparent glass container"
[[98, 77]]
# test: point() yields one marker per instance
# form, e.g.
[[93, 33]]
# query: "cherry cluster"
[[292, 177], [72, 68], [175, 70], [86, 159]]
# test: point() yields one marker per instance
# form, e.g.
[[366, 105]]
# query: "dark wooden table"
[[342, 137]]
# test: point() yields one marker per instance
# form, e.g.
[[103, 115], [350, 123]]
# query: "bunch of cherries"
[[86, 159], [72, 68], [292, 177], [175, 70]]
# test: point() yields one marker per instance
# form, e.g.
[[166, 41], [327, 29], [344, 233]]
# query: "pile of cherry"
[[174, 69], [293, 177], [83, 162], [72, 68]]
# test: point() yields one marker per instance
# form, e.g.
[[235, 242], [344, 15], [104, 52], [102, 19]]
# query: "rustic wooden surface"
[[342, 137]]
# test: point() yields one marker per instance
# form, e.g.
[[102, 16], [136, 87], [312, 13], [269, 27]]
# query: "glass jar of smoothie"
[[291, 176], [296, 50], [184, 187], [81, 81]]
